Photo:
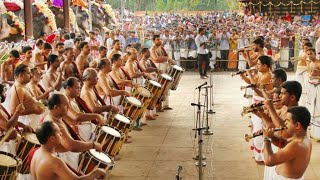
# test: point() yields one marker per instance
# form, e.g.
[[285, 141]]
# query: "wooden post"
[[66, 20], [28, 19]]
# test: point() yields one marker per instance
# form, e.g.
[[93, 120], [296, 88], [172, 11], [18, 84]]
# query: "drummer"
[[46, 165], [117, 75], [7, 67], [71, 143], [106, 87], [150, 69], [7, 121], [19, 94], [161, 59], [75, 117], [90, 95], [135, 74], [53, 77], [116, 49]]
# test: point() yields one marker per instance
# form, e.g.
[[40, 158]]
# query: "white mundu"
[[300, 76], [257, 142], [313, 105], [276, 176]]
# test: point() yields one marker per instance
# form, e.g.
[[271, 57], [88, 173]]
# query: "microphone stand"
[[200, 163], [211, 94], [207, 131]]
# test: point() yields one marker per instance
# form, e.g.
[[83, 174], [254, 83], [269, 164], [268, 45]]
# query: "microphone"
[[194, 104], [178, 172], [206, 87], [199, 87]]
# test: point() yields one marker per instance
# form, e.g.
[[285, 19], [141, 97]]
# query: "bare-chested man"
[[117, 75], [257, 51], [82, 60], [75, 116], [27, 52], [71, 143], [132, 67], [7, 122], [46, 165], [41, 57], [161, 59], [19, 94], [77, 50], [302, 66], [60, 51], [292, 160], [68, 66], [53, 77], [103, 52], [263, 78], [7, 67], [88, 94], [105, 86], [147, 65], [116, 49]]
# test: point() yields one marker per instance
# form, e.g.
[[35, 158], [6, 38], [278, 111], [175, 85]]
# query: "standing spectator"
[[133, 40], [177, 40], [287, 18], [167, 42], [94, 45], [192, 54], [224, 47], [233, 43], [121, 38], [213, 46], [98, 36], [306, 18], [242, 42], [203, 56], [297, 18], [110, 40]]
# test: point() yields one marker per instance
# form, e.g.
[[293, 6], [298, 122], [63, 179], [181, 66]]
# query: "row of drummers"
[[112, 135]]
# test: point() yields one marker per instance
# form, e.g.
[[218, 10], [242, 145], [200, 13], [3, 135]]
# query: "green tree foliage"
[[175, 5]]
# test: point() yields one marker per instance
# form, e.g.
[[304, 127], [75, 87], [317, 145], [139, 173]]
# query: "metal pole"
[[122, 13], [90, 16], [66, 20], [207, 131]]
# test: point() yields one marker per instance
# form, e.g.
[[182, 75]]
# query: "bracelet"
[[93, 145], [267, 139]]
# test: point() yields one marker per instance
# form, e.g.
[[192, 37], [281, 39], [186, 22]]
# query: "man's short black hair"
[[42, 34], [101, 48], [59, 44], [115, 41], [26, 48], [52, 58], [115, 58], [259, 42], [155, 37], [76, 40], [47, 46], [101, 64], [54, 100], [265, 60], [144, 50], [300, 114], [82, 44], [45, 131], [293, 88], [70, 82], [308, 44], [21, 68], [280, 73], [66, 36], [15, 53], [39, 42], [72, 35]]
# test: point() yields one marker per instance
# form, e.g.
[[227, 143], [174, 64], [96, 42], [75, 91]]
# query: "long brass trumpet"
[[248, 48], [254, 107], [247, 137], [241, 72]]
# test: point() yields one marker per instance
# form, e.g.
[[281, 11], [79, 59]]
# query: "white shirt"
[[109, 44], [200, 39], [318, 48]]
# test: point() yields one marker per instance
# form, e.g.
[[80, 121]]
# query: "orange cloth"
[[79, 3]]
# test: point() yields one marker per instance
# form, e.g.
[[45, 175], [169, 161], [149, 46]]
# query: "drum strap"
[[77, 70], [114, 82], [99, 97], [126, 73], [73, 134], [41, 88], [9, 116], [83, 105], [152, 63]]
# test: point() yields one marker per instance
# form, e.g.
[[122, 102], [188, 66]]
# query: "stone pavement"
[[169, 141]]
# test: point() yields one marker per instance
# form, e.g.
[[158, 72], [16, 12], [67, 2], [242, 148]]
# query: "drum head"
[[144, 92], [134, 101], [122, 118], [111, 131], [177, 67], [100, 155], [31, 137], [155, 83], [7, 161], [167, 77]]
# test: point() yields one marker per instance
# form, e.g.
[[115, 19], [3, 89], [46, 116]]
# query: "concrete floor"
[[169, 141]]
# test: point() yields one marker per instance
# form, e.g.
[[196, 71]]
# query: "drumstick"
[[6, 136]]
